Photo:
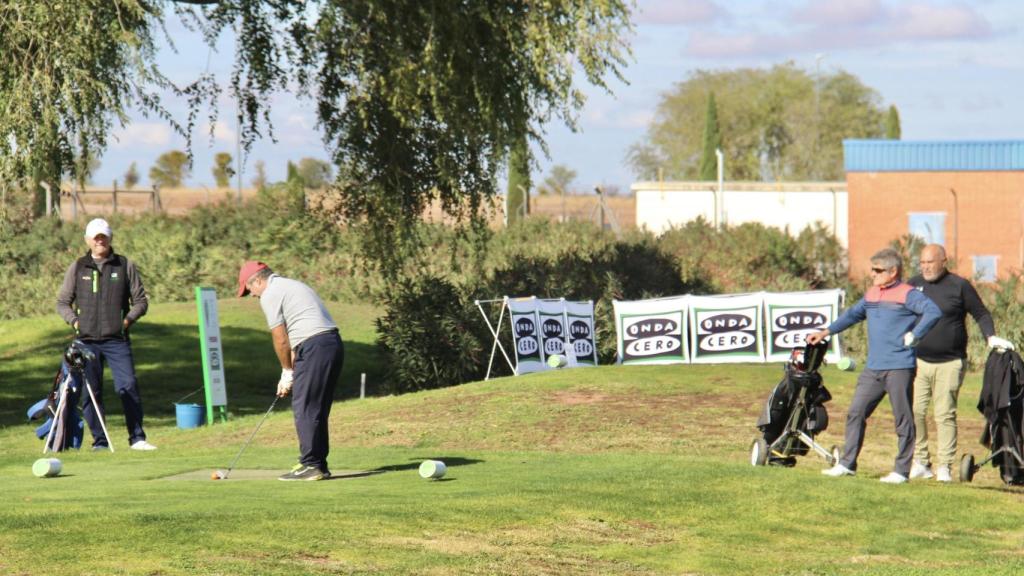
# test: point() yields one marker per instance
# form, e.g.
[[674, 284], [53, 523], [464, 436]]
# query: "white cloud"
[[636, 119], [142, 134], [926, 22], [222, 132], [298, 129], [842, 25], [678, 12], [709, 44], [843, 13]]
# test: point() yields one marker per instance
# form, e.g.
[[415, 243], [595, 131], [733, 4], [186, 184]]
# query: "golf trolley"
[[795, 412], [64, 395], [1002, 403]]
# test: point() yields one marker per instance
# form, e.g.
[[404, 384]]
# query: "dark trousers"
[[318, 363], [118, 355], [872, 386]]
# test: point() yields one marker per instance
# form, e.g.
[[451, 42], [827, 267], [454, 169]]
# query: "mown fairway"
[[609, 471]]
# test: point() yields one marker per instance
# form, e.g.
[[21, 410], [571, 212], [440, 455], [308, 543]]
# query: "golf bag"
[[795, 412], [1002, 403], [60, 407]]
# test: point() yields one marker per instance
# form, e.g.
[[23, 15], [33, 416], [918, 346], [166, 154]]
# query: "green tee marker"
[[557, 361], [46, 467], [432, 469]]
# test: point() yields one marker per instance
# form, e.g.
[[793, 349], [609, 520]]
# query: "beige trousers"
[[938, 384]]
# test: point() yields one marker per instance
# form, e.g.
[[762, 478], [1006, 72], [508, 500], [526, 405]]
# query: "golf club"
[[218, 475]]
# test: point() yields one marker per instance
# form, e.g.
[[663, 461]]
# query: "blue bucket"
[[189, 415]]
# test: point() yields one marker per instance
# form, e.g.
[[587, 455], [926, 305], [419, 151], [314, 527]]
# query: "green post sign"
[[213, 357]]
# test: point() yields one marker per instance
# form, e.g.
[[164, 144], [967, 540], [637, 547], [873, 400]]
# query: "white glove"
[[284, 385], [997, 342], [909, 340]]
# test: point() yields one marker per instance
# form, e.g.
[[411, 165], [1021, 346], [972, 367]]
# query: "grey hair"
[[888, 258], [261, 274]]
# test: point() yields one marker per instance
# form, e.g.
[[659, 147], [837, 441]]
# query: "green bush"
[[432, 336], [752, 257], [1005, 300], [621, 270]]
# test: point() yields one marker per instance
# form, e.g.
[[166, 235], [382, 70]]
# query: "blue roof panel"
[[921, 156]]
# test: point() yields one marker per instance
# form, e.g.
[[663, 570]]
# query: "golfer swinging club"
[[311, 353]]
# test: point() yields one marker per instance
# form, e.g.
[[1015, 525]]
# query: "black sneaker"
[[306, 473]]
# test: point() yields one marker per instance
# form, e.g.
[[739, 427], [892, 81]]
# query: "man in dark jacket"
[[942, 359], [101, 297]]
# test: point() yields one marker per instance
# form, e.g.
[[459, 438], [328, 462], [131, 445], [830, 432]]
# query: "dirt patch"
[[574, 397], [458, 544]]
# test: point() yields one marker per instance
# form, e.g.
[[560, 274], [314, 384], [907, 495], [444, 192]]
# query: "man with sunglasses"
[[898, 317], [941, 359], [311, 353]]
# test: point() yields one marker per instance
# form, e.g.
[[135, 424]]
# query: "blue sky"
[[954, 69]]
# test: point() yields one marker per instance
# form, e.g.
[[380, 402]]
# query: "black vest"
[[102, 297]]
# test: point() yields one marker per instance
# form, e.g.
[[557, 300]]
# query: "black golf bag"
[[795, 412], [1002, 403]]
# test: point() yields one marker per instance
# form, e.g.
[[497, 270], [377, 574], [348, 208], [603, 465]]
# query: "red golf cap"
[[248, 269]]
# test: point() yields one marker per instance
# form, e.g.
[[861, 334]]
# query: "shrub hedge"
[[429, 327]]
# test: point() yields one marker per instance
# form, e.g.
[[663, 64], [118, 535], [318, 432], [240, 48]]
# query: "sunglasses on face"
[[879, 270]]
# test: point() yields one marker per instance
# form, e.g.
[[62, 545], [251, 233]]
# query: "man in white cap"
[[101, 298], [311, 353]]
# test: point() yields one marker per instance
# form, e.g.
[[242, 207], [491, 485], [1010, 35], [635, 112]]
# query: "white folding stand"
[[495, 332]]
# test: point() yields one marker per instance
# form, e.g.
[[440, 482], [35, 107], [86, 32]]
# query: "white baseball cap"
[[96, 227]]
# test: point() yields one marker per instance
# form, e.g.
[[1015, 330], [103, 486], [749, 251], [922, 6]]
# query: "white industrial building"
[[792, 206]]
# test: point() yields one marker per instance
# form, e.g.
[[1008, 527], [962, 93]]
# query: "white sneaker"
[[919, 471], [838, 470], [142, 445], [893, 478], [942, 473]]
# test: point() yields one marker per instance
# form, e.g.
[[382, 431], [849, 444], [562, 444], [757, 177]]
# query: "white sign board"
[[652, 331]]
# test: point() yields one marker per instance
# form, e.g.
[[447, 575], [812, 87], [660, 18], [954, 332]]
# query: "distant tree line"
[[171, 169], [774, 124]]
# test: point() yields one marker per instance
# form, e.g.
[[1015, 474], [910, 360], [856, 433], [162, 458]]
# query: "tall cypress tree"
[[712, 142], [518, 194], [892, 124]]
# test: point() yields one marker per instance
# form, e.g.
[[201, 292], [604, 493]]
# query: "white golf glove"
[[909, 340], [997, 342], [284, 385]]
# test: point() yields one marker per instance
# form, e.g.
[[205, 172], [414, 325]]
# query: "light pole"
[[816, 173], [720, 197]]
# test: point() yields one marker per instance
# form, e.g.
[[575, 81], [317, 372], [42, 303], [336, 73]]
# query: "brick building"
[[968, 196]]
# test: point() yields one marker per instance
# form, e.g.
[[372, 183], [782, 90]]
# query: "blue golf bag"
[[63, 427]]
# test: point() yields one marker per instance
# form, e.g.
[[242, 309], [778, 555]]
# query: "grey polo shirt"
[[297, 306]]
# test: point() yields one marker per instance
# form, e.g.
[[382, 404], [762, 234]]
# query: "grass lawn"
[[615, 470]]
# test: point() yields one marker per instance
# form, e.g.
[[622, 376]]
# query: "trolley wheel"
[[834, 451], [759, 452], [967, 468]]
